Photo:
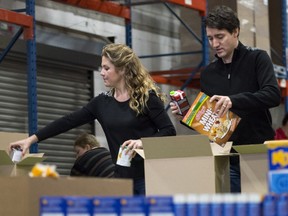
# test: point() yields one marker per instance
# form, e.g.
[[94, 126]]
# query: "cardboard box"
[[183, 164], [253, 168], [7, 167], [21, 195]]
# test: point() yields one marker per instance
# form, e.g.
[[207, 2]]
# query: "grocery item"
[[124, 157], [16, 155], [43, 170], [202, 118], [180, 99]]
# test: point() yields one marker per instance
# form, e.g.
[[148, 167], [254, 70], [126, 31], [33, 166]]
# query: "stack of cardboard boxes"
[[186, 164], [20, 194]]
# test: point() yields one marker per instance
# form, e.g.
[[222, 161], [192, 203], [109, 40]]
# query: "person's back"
[[95, 162], [92, 160]]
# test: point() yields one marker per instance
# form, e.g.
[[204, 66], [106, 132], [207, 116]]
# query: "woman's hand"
[[131, 145], [24, 144]]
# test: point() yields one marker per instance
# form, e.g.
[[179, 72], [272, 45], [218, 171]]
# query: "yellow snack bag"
[[41, 170]]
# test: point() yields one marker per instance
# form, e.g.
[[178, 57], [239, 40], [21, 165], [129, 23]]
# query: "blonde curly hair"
[[137, 78]]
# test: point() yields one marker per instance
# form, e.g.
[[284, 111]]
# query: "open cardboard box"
[[184, 164], [21, 195], [7, 167], [253, 168]]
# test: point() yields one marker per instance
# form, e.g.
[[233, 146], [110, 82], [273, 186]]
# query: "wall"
[[254, 24], [275, 27]]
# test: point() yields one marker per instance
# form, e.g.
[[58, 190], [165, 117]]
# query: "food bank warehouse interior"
[[142, 107]]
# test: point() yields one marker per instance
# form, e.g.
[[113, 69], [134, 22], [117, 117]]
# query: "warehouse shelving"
[[183, 77], [123, 9], [27, 28], [186, 76]]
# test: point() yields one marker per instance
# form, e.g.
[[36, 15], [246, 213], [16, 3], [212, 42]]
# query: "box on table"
[[21, 195], [7, 167], [253, 168], [183, 164]]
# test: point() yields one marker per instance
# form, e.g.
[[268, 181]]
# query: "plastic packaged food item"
[[41, 170], [193, 201], [254, 204], [180, 99], [269, 205]]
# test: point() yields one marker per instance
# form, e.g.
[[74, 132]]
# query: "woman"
[[133, 108]]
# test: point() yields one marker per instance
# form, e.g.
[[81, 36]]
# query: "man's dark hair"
[[222, 17]]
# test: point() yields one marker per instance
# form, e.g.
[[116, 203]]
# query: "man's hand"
[[175, 111], [223, 104]]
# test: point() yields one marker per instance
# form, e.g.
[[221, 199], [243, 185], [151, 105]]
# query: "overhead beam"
[[16, 18], [176, 77], [107, 7], [199, 5], [176, 81], [174, 72]]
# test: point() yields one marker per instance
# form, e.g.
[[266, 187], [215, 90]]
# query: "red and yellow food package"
[[202, 118]]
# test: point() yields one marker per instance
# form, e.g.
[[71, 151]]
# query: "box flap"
[[31, 159], [251, 149], [28, 159], [176, 146], [140, 152], [4, 158], [218, 150]]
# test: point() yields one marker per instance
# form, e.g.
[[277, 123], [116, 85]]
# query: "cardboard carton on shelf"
[[253, 168], [9, 168], [184, 164], [21, 195]]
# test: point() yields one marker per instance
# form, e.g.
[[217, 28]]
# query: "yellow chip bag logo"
[[279, 159]]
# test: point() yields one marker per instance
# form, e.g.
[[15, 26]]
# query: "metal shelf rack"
[[26, 22], [182, 77]]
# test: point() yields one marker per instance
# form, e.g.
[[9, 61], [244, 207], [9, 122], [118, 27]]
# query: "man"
[[91, 158], [240, 79]]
